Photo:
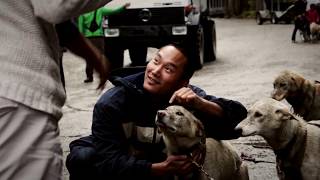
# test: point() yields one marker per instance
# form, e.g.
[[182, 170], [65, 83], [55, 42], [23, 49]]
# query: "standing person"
[[314, 20], [90, 25], [300, 21], [124, 143], [31, 91], [70, 38]]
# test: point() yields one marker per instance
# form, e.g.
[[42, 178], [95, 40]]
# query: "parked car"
[[154, 23]]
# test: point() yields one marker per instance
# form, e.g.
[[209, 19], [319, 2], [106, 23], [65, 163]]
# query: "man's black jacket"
[[127, 103]]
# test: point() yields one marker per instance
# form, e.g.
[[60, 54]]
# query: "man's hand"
[[173, 165], [126, 5], [103, 68], [185, 97]]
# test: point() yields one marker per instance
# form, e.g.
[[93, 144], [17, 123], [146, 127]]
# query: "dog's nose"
[[238, 131], [161, 114]]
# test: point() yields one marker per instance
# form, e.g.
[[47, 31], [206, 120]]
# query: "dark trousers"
[[300, 24], [99, 43], [80, 160]]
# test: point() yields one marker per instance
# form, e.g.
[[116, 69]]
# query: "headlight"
[[179, 30], [111, 32]]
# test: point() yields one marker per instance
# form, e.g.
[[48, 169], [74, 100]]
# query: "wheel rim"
[[258, 19], [273, 19]]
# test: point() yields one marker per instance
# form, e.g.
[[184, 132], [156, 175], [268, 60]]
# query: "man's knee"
[[80, 156], [80, 163]]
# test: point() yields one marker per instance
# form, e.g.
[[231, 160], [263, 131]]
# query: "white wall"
[[312, 2]]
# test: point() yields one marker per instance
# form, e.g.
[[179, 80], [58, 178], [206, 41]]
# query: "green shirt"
[[85, 20]]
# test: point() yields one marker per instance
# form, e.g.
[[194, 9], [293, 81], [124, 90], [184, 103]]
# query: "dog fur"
[[183, 132], [295, 142], [302, 94], [315, 31]]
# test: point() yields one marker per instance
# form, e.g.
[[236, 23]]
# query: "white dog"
[[183, 133], [314, 30], [295, 142]]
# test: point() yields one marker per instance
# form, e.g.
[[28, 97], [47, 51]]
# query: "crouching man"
[[125, 144]]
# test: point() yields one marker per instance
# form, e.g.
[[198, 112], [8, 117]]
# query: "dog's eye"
[[282, 84], [257, 114], [179, 113]]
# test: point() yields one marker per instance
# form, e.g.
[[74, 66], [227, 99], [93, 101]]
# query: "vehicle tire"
[[259, 19], [210, 42], [274, 19], [114, 55], [199, 50], [138, 56]]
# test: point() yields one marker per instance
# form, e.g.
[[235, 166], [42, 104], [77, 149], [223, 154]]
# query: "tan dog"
[[295, 142], [302, 94], [183, 133]]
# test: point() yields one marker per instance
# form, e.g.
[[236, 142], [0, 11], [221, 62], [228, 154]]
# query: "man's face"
[[164, 72]]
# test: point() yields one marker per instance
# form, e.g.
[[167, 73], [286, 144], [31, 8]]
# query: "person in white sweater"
[[31, 92]]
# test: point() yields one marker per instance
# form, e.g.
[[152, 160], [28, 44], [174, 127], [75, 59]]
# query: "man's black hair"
[[190, 66]]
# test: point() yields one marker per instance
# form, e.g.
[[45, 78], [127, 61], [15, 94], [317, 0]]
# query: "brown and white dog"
[[183, 133], [295, 142], [302, 94]]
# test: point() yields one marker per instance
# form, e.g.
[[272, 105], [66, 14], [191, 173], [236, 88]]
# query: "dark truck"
[[154, 23]]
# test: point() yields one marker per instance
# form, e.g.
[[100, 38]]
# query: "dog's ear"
[[199, 129], [284, 114], [298, 81]]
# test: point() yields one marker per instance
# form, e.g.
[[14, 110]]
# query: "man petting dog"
[[125, 143]]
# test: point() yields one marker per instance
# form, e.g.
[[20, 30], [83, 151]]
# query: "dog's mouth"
[[248, 133], [164, 127], [278, 95]]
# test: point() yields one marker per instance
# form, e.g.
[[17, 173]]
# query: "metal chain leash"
[[201, 168]]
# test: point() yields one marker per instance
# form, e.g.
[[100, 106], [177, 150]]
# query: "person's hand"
[[185, 97], [173, 165], [126, 5], [103, 68]]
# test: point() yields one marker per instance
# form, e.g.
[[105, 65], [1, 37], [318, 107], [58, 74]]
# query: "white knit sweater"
[[29, 51]]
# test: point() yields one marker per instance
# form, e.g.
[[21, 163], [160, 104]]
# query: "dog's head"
[[286, 84], [180, 127], [265, 118]]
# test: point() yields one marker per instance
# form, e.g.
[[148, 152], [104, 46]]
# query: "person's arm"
[[187, 97], [57, 11], [72, 39], [110, 11], [112, 145], [219, 115], [110, 141], [80, 24]]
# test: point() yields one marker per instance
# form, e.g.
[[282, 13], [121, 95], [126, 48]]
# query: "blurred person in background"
[[90, 25], [31, 91]]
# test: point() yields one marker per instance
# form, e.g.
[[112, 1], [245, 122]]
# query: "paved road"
[[249, 57]]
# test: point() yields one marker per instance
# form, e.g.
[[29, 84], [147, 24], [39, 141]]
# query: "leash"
[[200, 168]]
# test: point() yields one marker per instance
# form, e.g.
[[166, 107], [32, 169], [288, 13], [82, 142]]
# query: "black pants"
[[99, 43], [300, 23], [80, 160]]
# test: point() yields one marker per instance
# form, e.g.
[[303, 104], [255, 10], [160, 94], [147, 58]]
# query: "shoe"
[[88, 80], [293, 41]]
